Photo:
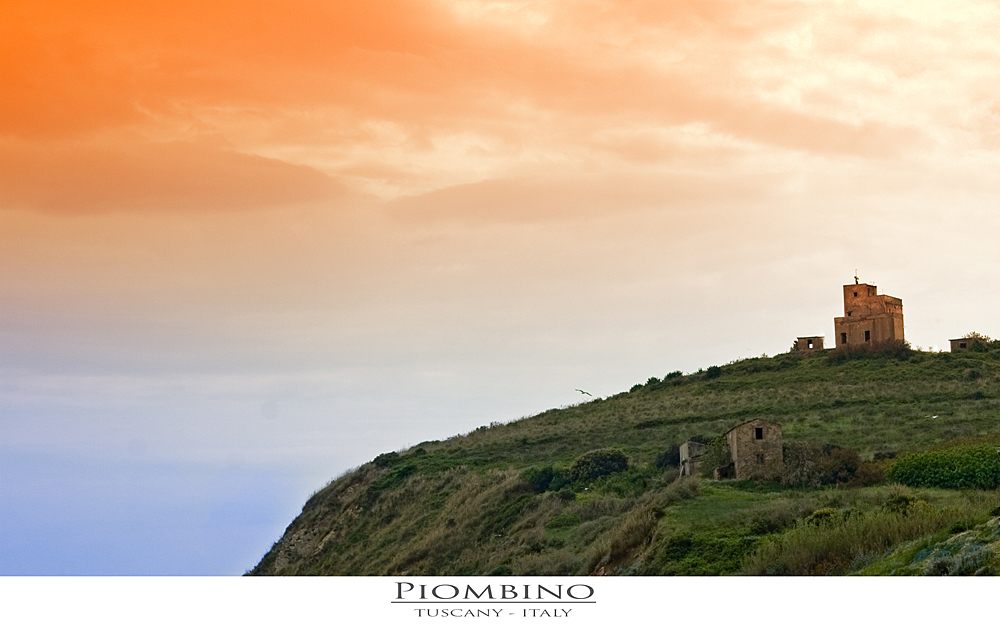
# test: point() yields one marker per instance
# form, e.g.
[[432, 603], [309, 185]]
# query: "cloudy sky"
[[247, 245]]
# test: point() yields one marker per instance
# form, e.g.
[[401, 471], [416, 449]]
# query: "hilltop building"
[[755, 449], [868, 317], [809, 343], [970, 342]]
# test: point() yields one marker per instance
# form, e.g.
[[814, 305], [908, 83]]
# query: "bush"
[[673, 375], [774, 518], [560, 479], [566, 495], [596, 464], [962, 467], [713, 372], [868, 473], [813, 464], [538, 478], [386, 459], [670, 457], [717, 454]]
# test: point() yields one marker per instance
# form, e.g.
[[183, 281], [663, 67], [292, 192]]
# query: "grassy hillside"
[[475, 504]]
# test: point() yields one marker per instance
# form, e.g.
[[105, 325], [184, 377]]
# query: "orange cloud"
[[405, 97], [74, 178]]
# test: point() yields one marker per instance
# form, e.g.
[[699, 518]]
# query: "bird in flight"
[[583, 392]]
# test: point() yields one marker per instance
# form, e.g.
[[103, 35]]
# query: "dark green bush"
[[962, 467], [652, 381], [717, 454], [596, 464], [386, 459], [669, 458], [566, 495], [635, 387], [538, 478], [560, 479], [673, 375], [713, 372]]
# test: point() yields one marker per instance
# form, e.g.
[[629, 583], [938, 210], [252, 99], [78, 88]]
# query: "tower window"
[[961, 345], [810, 344], [758, 433], [848, 314], [868, 336], [843, 338], [855, 293], [760, 458]]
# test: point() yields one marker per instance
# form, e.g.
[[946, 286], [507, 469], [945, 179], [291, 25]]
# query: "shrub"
[[717, 454], [652, 381], [670, 457], [971, 374], [598, 463], [868, 473], [962, 467], [386, 459], [538, 478], [774, 518], [673, 375], [813, 464], [560, 479], [635, 387], [713, 372]]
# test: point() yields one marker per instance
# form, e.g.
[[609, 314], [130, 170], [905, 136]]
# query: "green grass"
[[460, 506]]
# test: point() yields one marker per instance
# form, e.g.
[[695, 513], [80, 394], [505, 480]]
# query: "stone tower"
[[868, 317]]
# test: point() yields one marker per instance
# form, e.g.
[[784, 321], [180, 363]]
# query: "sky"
[[247, 246]]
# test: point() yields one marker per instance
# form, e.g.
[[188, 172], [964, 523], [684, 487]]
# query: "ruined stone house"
[[755, 450], [868, 317], [691, 453]]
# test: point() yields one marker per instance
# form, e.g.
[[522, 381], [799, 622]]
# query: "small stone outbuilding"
[[691, 453], [963, 344], [809, 343], [755, 449]]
